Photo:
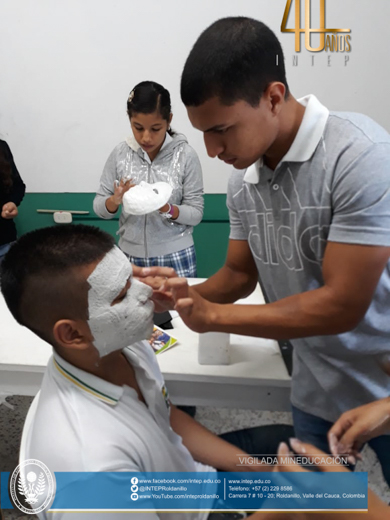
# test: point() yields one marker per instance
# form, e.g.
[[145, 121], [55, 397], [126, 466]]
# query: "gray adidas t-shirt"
[[334, 184]]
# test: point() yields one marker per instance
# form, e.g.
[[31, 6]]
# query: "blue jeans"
[[260, 440], [313, 430]]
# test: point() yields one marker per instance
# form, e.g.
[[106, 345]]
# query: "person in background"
[[12, 190], [155, 153]]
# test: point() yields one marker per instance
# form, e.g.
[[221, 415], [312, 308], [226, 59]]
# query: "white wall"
[[67, 66]]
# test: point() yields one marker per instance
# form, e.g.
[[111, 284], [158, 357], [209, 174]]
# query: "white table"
[[255, 379]]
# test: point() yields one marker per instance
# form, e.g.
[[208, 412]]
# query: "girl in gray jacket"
[[155, 153]]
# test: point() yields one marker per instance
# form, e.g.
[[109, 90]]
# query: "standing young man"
[[309, 205]]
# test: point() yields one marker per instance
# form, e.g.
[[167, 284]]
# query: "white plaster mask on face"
[[117, 326], [145, 198]]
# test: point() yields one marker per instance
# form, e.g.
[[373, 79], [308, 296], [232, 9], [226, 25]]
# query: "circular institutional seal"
[[32, 487]]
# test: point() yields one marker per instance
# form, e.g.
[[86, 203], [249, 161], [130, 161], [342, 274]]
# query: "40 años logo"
[[335, 41], [32, 487]]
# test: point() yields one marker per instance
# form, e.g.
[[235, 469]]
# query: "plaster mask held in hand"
[[115, 322], [145, 198]]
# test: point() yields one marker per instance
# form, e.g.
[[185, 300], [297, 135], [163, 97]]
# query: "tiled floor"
[[11, 424], [217, 420]]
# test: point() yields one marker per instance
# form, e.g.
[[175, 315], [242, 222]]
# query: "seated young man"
[[103, 404]]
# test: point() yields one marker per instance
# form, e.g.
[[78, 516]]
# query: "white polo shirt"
[[84, 423]]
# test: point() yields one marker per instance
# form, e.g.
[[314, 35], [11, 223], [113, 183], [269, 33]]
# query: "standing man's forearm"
[[226, 286], [236, 279]]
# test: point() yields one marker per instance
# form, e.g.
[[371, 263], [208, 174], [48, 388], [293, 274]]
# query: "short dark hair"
[[40, 279], [148, 97], [233, 59]]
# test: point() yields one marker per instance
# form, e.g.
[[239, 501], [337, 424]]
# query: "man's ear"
[[73, 334], [275, 93], [170, 118]]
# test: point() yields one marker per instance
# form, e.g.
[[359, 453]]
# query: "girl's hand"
[[164, 208], [9, 210], [120, 188]]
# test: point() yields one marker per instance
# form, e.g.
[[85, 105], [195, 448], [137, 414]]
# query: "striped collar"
[[92, 385], [305, 142]]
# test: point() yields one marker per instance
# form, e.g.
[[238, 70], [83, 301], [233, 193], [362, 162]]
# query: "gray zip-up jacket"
[[153, 234]]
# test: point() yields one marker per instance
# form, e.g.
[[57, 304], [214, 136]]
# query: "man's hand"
[[359, 425], [195, 311], [308, 450], [290, 466], [9, 210], [155, 277], [377, 510]]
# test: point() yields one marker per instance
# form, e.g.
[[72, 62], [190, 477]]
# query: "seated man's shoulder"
[[79, 436], [80, 423]]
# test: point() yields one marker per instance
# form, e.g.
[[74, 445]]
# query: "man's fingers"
[[286, 461], [162, 302], [161, 296], [322, 460], [177, 286], [354, 438], [155, 282], [179, 290], [347, 443], [338, 447], [184, 305], [342, 425], [164, 272]]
